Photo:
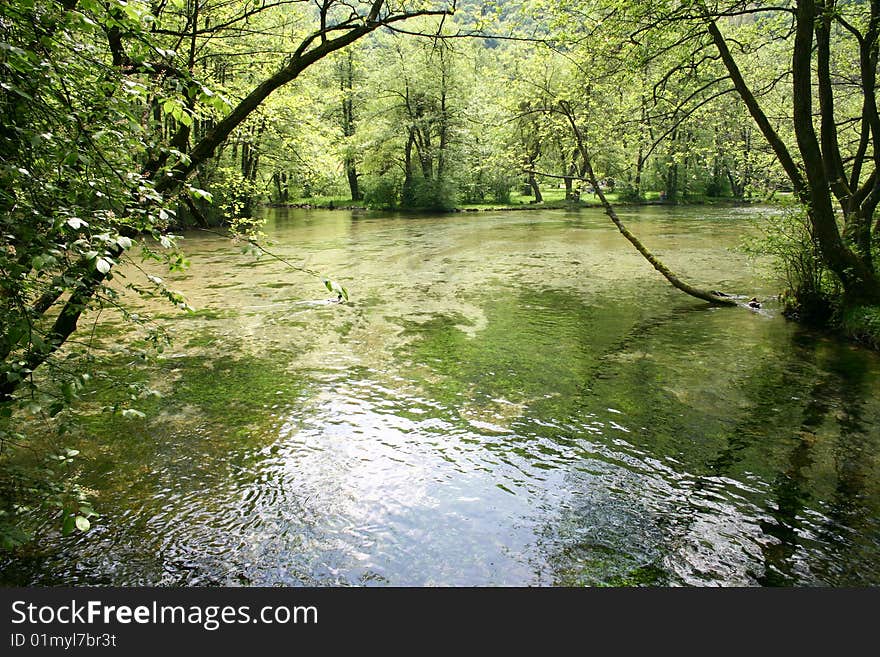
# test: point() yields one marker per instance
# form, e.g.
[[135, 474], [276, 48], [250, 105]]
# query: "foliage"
[[811, 290], [382, 193], [41, 493], [72, 202], [436, 195], [862, 323]]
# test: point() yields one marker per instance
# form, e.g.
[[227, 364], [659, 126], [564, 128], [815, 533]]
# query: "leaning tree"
[[806, 72], [834, 162]]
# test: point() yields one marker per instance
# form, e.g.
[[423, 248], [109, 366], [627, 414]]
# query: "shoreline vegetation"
[[517, 204]]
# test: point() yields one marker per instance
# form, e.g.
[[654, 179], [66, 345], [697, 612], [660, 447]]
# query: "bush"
[[497, 189], [812, 292], [500, 189], [863, 324], [715, 189], [429, 195], [629, 194], [382, 194]]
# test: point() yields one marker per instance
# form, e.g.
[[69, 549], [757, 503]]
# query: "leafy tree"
[[415, 96], [838, 154]]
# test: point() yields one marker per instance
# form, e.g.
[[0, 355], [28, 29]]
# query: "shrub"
[[863, 324], [382, 193], [812, 291], [429, 195]]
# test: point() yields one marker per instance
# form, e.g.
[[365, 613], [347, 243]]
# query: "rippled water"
[[508, 399]]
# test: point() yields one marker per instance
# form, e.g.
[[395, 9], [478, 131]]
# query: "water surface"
[[508, 399]]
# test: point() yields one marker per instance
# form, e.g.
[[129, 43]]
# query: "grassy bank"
[[554, 199], [862, 324]]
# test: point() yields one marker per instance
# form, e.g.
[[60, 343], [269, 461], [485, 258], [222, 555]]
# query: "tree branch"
[[756, 111]]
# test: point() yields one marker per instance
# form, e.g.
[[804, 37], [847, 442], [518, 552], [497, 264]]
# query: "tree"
[[833, 169], [346, 74], [414, 112]]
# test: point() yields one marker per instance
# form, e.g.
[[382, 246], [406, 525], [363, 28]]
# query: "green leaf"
[[84, 20], [336, 288], [103, 265], [82, 523], [131, 413], [201, 194], [68, 525]]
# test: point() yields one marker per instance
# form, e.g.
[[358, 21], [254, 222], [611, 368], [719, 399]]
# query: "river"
[[507, 399]]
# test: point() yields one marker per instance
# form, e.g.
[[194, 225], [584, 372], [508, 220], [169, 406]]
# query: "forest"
[[129, 126]]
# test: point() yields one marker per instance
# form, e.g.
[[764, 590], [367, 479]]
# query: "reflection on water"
[[510, 399]]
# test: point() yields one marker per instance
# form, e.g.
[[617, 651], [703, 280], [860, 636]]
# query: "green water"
[[508, 399]]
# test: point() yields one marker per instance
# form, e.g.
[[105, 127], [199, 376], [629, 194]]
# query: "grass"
[[327, 202], [554, 198], [862, 323]]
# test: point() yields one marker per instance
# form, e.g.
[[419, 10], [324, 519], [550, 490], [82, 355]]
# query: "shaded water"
[[509, 399]]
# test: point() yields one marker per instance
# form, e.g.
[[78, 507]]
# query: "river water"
[[507, 399]]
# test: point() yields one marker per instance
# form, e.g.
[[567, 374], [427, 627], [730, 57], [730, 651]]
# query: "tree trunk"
[[640, 168], [407, 192], [533, 185], [671, 182], [346, 80], [568, 179], [65, 323], [352, 175], [711, 297], [859, 281], [276, 179], [736, 187]]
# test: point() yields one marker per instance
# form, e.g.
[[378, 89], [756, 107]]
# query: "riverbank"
[[516, 204]]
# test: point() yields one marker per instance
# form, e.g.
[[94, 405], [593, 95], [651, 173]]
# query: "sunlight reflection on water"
[[505, 401]]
